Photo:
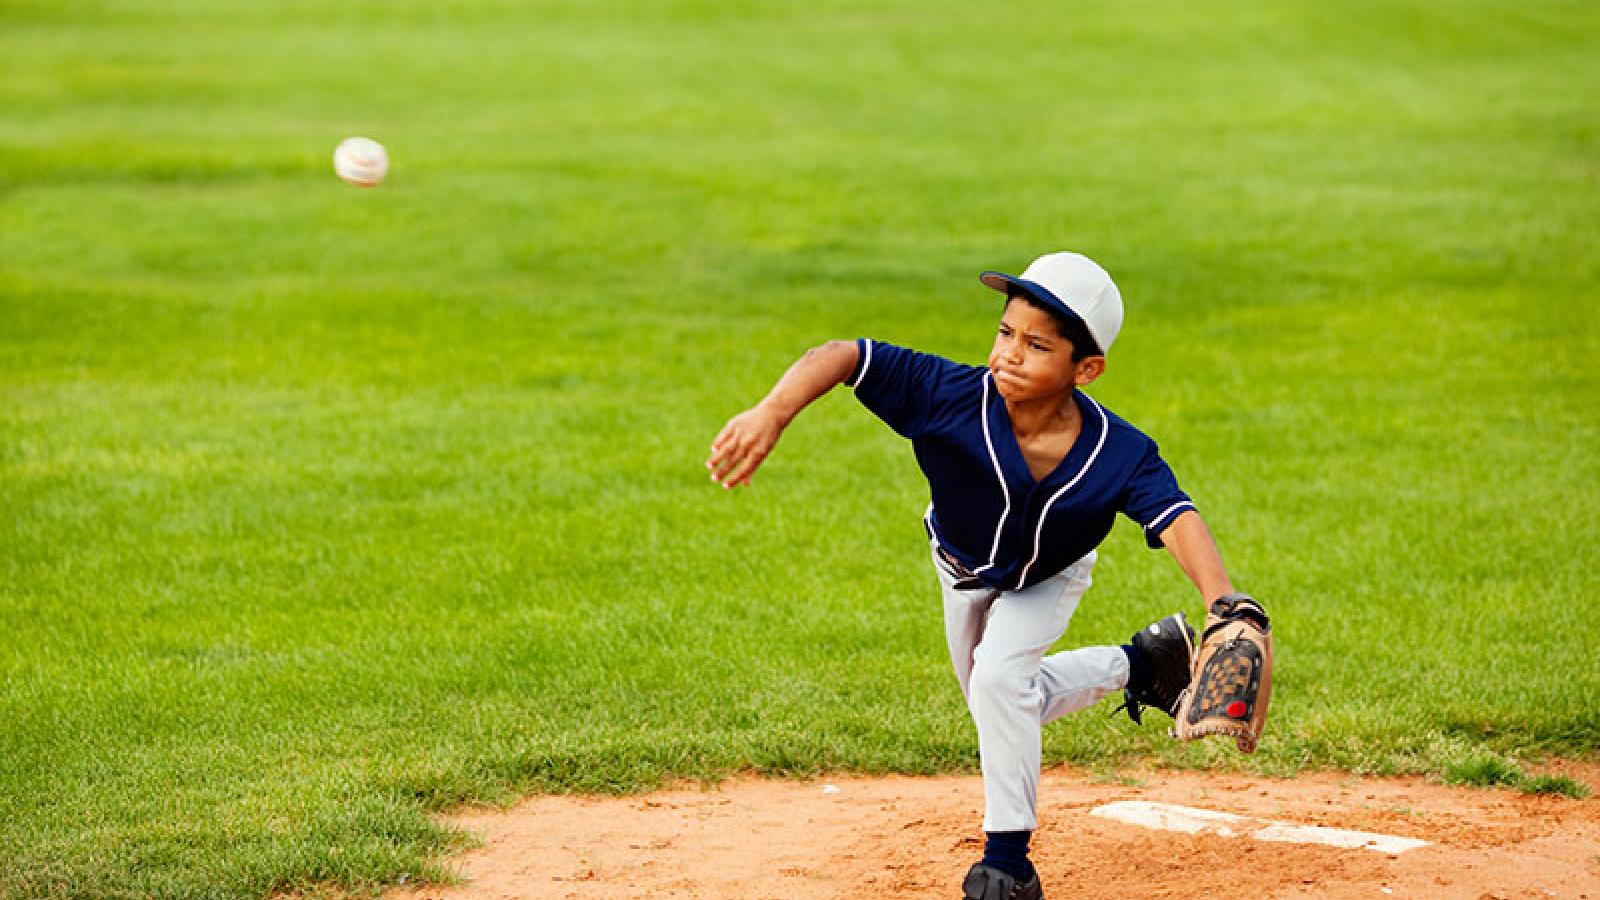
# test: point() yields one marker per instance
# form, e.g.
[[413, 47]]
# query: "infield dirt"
[[836, 837]]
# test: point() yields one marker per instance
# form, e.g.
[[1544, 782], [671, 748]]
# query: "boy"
[[1026, 474]]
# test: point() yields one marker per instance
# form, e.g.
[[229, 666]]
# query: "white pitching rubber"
[[1189, 820]]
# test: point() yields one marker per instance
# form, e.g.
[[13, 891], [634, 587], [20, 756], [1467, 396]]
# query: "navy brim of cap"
[[1004, 283]]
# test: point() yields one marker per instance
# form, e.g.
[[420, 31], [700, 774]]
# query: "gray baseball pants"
[[997, 644]]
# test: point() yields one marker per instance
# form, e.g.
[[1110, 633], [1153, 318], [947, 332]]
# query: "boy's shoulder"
[[889, 348], [908, 364]]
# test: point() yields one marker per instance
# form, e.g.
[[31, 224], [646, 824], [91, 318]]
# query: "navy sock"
[[1138, 670], [1008, 852]]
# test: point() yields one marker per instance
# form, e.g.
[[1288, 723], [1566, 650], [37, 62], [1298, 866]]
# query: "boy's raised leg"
[[1077, 679]]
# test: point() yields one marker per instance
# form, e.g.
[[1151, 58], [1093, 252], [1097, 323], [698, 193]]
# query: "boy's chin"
[[1011, 391], [1019, 393]]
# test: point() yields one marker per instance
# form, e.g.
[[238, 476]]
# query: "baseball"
[[361, 161]]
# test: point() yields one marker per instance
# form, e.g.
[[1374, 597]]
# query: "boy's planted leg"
[[997, 643]]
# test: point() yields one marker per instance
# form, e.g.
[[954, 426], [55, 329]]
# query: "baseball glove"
[[1232, 678]]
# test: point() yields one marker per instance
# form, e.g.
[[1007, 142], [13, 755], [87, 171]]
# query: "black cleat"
[[1167, 647], [987, 883]]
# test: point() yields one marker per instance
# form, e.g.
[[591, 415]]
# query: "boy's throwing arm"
[[748, 437]]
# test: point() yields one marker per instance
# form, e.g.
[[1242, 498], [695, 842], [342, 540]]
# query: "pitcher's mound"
[[901, 837]]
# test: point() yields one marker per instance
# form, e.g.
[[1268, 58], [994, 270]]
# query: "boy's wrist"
[[776, 407]]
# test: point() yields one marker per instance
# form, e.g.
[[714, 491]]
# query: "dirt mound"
[[914, 837]]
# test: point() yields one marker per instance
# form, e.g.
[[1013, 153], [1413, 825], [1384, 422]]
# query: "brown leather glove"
[[1232, 678]]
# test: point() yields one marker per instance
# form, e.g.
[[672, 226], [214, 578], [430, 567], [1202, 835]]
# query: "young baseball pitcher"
[[1027, 473]]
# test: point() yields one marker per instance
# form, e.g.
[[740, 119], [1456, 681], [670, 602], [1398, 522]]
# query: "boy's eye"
[[1038, 346]]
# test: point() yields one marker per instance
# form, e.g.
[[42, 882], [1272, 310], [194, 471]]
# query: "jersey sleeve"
[[902, 387], [1152, 497]]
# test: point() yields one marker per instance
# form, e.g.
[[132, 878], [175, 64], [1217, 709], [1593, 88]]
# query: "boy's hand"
[[746, 440], [743, 443]]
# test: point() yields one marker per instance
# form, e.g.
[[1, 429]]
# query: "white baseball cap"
[[1072, 284]]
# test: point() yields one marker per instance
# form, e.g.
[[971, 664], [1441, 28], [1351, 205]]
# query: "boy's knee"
[[1005, 679]]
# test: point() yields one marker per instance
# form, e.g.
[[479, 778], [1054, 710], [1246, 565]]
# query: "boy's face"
[[1032, 361]]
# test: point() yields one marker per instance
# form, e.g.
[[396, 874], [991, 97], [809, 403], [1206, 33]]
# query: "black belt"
[[965, 578]]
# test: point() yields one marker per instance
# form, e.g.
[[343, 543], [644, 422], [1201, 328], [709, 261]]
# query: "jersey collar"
[[1071, 467]]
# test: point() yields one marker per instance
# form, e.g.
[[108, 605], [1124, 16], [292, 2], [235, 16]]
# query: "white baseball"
[[361, 161]]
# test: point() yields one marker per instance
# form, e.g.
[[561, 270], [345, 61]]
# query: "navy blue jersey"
[[987, 510]]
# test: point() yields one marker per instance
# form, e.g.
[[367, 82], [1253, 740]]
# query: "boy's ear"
[[1089, 368]]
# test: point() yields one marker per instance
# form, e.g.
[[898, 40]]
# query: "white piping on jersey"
[[1038, 533], [983, 413], [866, 360], [1164, 512]]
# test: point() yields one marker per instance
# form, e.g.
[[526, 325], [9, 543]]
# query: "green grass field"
[[326, 508]]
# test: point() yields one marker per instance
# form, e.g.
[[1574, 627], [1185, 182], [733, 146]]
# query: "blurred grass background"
[[325, 508]]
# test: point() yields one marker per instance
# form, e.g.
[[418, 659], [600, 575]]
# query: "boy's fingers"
[[728, 459], [749, 475], [729, 465], [736, 453], [719, 448], [747, 467], [726, 440]]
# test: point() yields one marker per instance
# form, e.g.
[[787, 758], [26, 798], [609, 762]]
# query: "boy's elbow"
[[838, 355]]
